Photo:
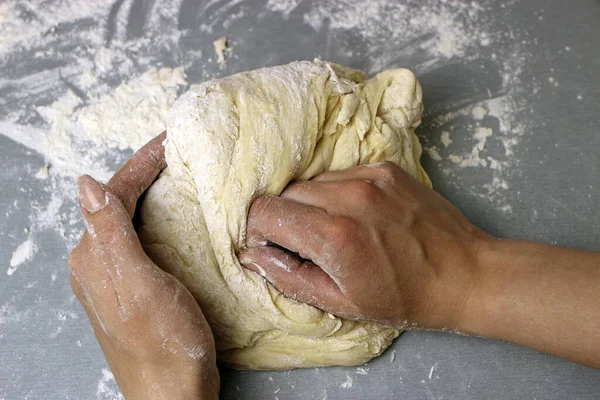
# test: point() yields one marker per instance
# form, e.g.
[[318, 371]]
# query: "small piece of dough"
[[220, 48], [232, 140]]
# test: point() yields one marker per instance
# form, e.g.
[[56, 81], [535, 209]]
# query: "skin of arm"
[[540, 296], [371, 243], [150, 328]]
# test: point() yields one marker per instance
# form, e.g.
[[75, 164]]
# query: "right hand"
[[368, 243]]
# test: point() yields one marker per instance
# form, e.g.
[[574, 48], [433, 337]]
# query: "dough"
[[234, 139]]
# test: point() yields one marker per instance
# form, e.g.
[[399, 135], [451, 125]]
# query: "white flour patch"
[[10, 314], [125, 118], [433, 368], [23, 24], [23, 253], [442, 30], [498, 121], [107, 387], [362, 370], [347, 384]]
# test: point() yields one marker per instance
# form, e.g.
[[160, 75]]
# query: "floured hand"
[[371, 243], [152, 331], [368, 243]]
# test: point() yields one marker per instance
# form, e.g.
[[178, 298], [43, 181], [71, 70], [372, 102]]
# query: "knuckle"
[[262, 204], [112, 235], [387, 170], [364, 192], [343, 232]]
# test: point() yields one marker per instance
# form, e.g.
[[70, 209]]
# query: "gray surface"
[[554, 192]]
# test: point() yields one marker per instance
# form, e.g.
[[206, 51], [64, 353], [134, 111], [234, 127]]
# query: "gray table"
[[542, 67]]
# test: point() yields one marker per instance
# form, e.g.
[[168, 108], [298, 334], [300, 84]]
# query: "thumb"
[[296, 278], [109, 226]]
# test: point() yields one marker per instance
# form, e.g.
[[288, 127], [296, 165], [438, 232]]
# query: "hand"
[[368, 243], [151, 329], [371, 243]]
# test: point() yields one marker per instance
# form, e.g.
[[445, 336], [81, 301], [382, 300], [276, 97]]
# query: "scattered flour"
[[434, 367], [125, 118], [23, 253], [107, 387], [347, 384], [362, 370]]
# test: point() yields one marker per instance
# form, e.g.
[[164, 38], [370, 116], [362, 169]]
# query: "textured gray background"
[[558, 177]]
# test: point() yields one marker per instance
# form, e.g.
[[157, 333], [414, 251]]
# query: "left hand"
[[151, 329]]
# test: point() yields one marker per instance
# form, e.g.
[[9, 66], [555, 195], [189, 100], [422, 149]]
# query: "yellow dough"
[[234, 139]]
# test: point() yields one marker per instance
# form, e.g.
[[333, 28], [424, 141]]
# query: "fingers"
[[295, 278], [377, 172], [297, 227], [346, 197], [317, 194], [138, 173]]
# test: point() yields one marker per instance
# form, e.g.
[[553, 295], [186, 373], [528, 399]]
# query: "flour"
[[347, 384], [10, 314], [23, 253], [125, 118], [443, 30], [107, 387], [23, 24], [433, 368], [362, 370]]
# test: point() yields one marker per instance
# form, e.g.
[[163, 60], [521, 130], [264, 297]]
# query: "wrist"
[[161, 382], [498, 263], [459, 271]]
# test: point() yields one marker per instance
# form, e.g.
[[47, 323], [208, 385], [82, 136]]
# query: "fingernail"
[[91, 196]]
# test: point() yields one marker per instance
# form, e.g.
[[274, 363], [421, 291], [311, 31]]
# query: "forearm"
[[539, 296]]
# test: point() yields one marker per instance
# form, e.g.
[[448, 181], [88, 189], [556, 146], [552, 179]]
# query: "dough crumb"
[[44, 172], [445, 138], [479, 113], [433, 153], [220, 48], [455, 158]]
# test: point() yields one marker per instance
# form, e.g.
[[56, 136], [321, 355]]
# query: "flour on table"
[[23, 253], [347, 384], [125, 118], [107, 387]]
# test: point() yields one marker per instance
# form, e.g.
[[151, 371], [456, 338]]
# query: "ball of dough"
[[234, 139]]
